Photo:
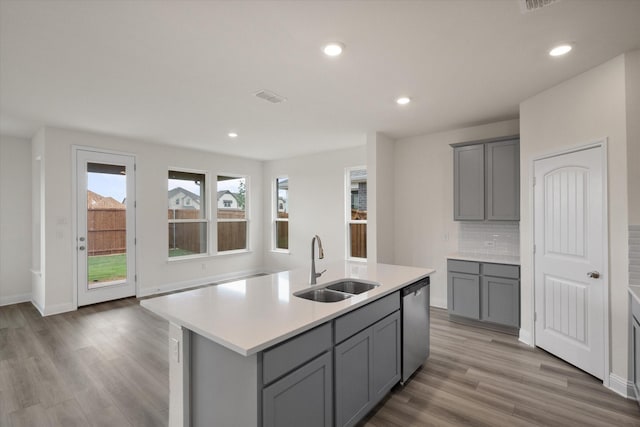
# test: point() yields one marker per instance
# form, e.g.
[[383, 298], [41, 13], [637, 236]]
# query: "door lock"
[[593, 274], [81, 239], [81, 248]]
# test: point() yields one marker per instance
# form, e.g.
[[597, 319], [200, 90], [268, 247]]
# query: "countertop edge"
[[489, 259], [290, 334]]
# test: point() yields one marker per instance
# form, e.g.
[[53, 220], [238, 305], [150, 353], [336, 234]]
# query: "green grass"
[[104, 268]]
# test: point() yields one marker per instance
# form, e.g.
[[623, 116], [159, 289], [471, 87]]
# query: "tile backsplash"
[[486, 238], [634, 255]]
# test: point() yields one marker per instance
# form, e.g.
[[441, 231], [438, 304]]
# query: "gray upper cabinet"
[[486, 180], [503, 180], [468, 182]]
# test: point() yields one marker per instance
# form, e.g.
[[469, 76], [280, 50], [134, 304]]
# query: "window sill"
[[353, 259], [201, 257], [281, 251]]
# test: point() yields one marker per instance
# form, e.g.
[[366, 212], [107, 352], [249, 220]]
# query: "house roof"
[[223, 192], [175, 191], [97, 201]]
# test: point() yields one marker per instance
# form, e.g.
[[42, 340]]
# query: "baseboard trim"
[[15, 299], [210, 280], [439, 302], [58, 308], [525, 337], [621, 386]]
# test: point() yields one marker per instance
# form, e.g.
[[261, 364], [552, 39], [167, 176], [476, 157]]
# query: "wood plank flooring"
[[107, 365]]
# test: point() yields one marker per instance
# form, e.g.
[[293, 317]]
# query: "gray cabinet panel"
[[501, 270], [468, 182], [302, 398], [364, 317], [386, 355], [635, 359], [287, 356], [353, 376], [464, 295], [470, 267], [503, 180], [501, 301]]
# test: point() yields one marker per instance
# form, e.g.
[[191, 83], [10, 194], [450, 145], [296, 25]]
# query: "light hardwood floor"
[[107, 365]]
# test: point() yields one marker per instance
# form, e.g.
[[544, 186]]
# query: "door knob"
[[593, 274], [81, 248]]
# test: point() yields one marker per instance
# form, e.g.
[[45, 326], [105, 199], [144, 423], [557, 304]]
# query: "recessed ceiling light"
[[403, 100], [232, 135], [560, 50], [333, 49]]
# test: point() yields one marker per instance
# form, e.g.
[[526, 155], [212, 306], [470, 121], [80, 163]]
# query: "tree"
[[242, 192]]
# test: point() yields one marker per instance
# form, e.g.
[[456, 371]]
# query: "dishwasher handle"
[[415, 287]]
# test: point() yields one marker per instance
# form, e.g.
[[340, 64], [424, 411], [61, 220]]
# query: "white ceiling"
[[184, 72]]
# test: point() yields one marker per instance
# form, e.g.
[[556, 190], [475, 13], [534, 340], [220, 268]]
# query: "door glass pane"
[[106, 225]]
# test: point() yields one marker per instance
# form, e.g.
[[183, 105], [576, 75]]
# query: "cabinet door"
[[463, 295], [636, 357], [501, 300], [468, 182], [302, 398], [353, 369], [503, 180], [386, 355]]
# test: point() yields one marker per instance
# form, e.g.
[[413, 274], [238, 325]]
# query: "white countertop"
[[497, 259], [248, 316]]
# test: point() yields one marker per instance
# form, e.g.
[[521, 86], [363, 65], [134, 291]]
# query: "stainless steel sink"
[[322, 295], [354, 287]]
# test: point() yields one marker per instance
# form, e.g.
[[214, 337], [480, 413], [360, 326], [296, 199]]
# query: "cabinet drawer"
[[469, 267], [635, 309], [287, 356], [353, 322], [501, 270]]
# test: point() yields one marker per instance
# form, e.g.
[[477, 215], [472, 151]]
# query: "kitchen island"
[[237, 348]]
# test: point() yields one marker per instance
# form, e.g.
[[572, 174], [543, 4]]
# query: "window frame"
[[348, 220], [274, 214], [206, 220], [246, 219]]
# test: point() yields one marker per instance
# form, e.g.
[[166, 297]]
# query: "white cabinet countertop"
[[248, 316], [496, 259]]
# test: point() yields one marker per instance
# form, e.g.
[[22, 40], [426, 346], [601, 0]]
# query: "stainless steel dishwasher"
[[415, 327]]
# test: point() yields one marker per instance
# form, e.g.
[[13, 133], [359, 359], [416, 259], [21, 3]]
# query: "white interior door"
[[570, 258], [105, 241]]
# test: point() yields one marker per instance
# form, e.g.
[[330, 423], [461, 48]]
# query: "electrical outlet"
[[489, 243]]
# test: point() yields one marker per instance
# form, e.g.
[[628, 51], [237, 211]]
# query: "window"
[[187, 225], [357, 212], [232, 213], [281, 214]]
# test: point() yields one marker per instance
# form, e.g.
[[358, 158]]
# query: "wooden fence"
[[106, 231], [358, 240]]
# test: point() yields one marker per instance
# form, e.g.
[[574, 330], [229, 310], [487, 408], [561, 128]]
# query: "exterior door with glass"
[[105, 240]]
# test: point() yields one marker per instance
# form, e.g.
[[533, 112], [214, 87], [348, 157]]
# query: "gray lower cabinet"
[[635, 347], [301, 398], [367, 366], [501, 300], [463, 294], [484, 292]]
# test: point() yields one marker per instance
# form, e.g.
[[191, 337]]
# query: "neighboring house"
[[359, 190], [227, 200], [179, 198], [96, 201]]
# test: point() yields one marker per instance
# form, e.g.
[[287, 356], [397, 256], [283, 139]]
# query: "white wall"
[[15, 220], [581, 110], [425, 232], [381, 198], [632, 62], [316, 206], [155, 272]]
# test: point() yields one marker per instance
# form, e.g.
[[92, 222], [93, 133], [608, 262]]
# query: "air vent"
[[533, 5], [269, 96]]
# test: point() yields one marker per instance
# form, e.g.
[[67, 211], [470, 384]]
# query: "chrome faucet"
[[315, 275]]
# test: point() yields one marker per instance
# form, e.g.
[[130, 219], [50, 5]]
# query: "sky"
[[111, 185]]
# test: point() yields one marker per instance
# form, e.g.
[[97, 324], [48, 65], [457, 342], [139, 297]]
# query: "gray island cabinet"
[[250, 353]]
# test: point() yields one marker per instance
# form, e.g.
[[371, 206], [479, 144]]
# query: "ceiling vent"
[[269, 96], [533, 5]]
